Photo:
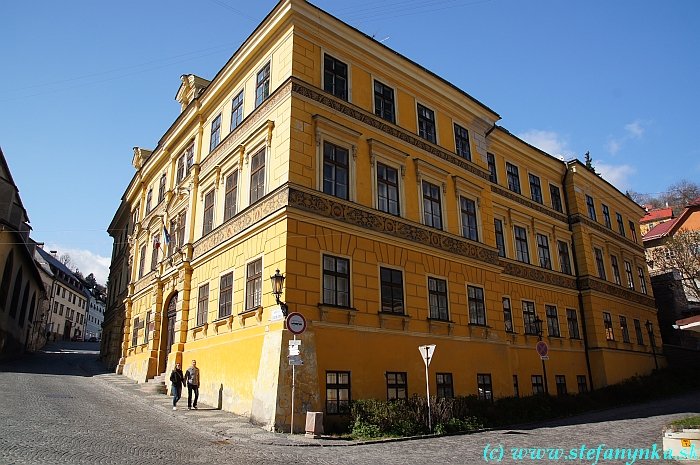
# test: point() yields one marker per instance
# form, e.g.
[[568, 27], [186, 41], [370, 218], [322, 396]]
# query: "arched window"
[[15, 294], [6, 278], [31, 307], [23, 308]]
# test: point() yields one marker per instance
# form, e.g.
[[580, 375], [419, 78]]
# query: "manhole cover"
[[59, 396]]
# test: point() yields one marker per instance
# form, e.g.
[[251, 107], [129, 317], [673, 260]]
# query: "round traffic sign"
[[296, 323], [542, 348]]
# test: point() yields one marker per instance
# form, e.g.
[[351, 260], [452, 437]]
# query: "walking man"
[[192, 377]]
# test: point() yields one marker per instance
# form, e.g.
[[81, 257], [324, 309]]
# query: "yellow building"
[[401, 215]]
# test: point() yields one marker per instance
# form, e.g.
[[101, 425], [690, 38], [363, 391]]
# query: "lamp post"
[[539, 331], [277, 281], [650, 329]]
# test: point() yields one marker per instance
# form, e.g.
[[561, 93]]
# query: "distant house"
[[22, 291], [654, 217], [674, 299]]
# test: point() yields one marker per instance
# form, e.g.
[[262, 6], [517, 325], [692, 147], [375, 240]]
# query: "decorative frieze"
[[590, 283], [578, 218], [528, 203], [538, 274]]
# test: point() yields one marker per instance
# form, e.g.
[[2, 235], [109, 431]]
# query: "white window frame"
[[342, 58], [435, 115], [437, 176], [392, 86], [327, 130], [379, 152], [471, 191]]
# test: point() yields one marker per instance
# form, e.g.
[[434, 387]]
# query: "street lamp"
[[650, 329], [539, 331], [277, 281]]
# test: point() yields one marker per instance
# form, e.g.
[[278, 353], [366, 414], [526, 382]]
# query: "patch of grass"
[[691, 421]]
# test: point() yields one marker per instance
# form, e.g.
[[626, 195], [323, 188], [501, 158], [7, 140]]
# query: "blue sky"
[[83, 82]]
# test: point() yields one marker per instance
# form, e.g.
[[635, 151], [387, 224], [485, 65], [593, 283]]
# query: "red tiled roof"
[[695, 203], [658, 214], [659, 231]]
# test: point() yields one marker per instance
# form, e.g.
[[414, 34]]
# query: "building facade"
[[400, 213], [95, 315], [22, 292]]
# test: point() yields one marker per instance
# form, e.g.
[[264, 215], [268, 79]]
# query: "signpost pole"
[[291, 428], [427, 388]]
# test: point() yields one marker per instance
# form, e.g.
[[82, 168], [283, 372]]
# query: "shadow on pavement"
[[59, 358]]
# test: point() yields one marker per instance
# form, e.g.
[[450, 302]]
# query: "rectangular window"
[[500, 242], [616, 270], [335, 77], [529, 318], [253, 285], [231, 196], [513, 178], [591, 208], [146, 327], [516, 388], [337, 392], [642, 280], [392, 290], [599, 263], [189, 153], [432, 211], [135, 333], [60, 311], [477, 310], [507, 315], [161, 188], [236, 111], [257, 176], [225, 295], [149, 198], [462, 142], [628, 273], [262, 85], [336, 281], [181, 168], [652, 338], [335, 170], [444, 386], [522, 254], [387, 189], [620, 224], [556, 198], [607, 322], [426, 123], [561, 384], [468, 208], [437, 298], [384, 102], [552, 321], [491, 160], [485, 388], [537, 385], [208, 223], [564, 260], [215, 133], [535, 189], [142, 261], [633, 231], [154, 252], [202, 304], [606, 216], [624, 330], [572, 322], [543, 251], [396, 385], [638, 332], [181, 231], [582, 384]]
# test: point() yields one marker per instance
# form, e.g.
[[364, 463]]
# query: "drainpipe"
[[578, 286]]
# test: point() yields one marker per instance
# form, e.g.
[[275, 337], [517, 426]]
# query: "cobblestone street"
[[61, 406]]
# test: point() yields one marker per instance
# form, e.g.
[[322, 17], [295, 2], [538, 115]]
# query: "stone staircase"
[[156, 385]]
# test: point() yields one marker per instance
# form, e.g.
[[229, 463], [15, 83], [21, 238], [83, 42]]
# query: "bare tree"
[[681, 253], [67, 261], [681, 193], [644, 199]]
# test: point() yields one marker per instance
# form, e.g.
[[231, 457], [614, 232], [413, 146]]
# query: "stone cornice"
[[369, 119], [594, 284], [578, 218], [541, 275], [528, 203]]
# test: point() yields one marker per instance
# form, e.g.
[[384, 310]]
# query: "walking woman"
[[177, 380]]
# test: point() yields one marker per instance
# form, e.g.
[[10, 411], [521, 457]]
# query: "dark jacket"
[[177, 378]]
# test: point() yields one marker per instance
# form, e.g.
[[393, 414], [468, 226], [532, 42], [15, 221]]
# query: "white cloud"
[[617, 175], [637, 128], [86, 261], [549, 141], [613, 146]]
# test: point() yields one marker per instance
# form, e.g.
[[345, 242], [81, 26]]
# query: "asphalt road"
[[61, 406]]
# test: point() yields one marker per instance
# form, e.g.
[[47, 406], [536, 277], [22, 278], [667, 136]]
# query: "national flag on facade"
[[156, 242], [166, 235]]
